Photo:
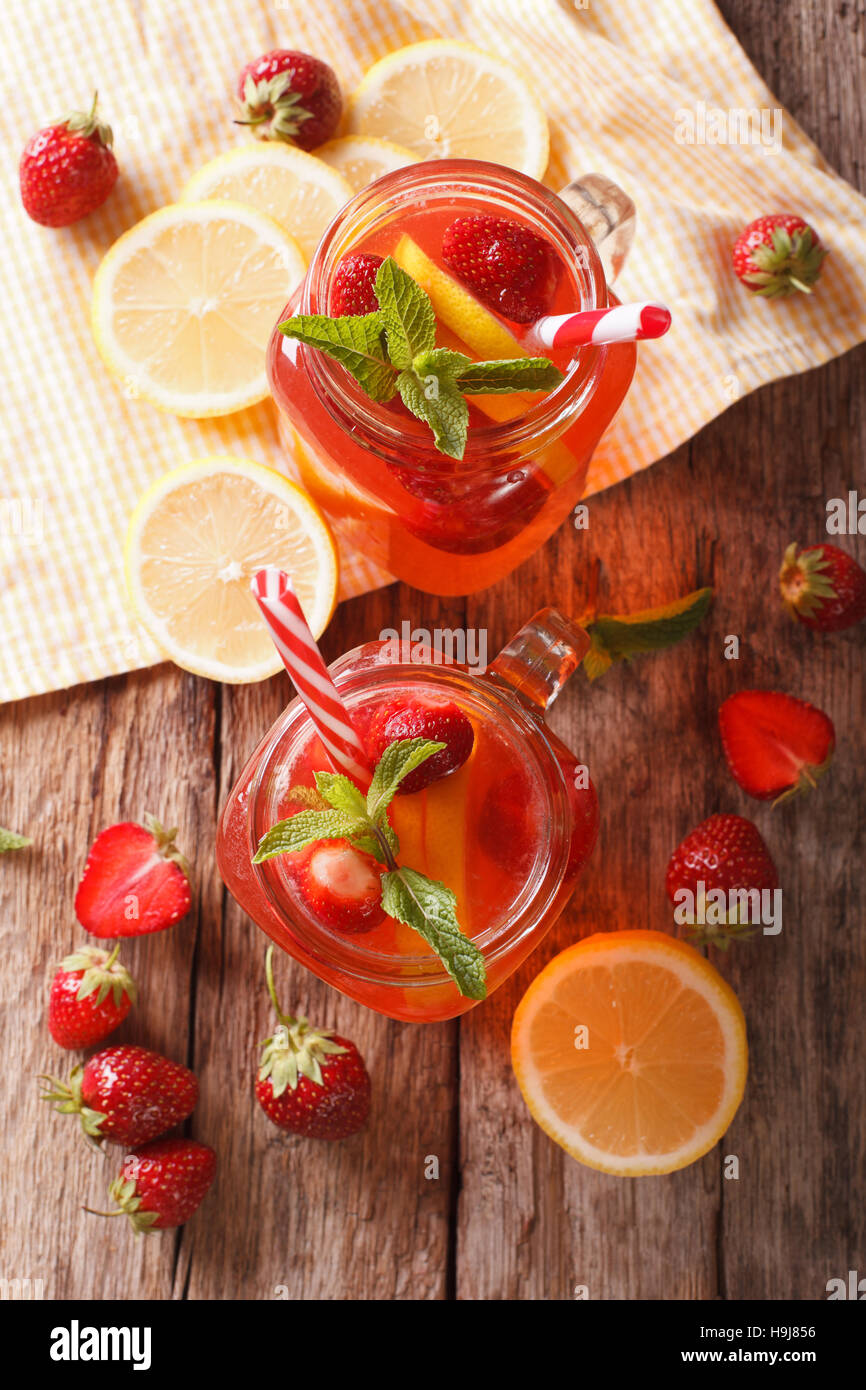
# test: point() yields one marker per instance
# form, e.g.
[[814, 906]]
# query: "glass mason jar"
[[508, 832], [443, 526]]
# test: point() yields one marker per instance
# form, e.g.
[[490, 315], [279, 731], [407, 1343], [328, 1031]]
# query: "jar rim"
[[340, 395], [360, 669]]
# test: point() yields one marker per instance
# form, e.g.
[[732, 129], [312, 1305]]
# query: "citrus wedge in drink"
[[296, 189], [630, 1050], [363, 158], [450, 100], [184, 303], [196, 539]]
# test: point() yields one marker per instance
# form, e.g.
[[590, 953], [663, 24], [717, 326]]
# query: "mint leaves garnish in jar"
[[364, 864], [392, 351]]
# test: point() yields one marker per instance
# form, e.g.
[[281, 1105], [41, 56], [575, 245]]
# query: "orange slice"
[[630, 1050]]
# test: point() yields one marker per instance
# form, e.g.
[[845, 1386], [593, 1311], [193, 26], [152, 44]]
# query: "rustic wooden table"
[[510, 1215]]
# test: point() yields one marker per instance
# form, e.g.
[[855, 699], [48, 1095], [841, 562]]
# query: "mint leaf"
[[9, 839], [429, 907], [440, 362], [621, 638], [355, 341], [341, 793], [437, 401], [398, 760], [301, 830], [509, 374], [410, 323]]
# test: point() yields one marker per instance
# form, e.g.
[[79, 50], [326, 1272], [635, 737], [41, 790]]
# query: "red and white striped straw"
[[303, 661], [624, 323]]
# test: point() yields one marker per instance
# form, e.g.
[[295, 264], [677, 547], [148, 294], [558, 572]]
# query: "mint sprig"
[[624, 637], [414, 899], [394, 349]]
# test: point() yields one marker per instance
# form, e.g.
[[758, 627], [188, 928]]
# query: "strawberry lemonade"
[[488, 833], [448, 505]]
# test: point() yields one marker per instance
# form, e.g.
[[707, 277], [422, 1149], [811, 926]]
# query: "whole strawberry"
[[775, 744], [91, 994], [507, 266], [310, 1081], [353, 287], [126, 1094], [724, 853], [67, 169], [441, 721], [135, 881], [778, 255], [291, 96], [161, 1184], [823, 586]]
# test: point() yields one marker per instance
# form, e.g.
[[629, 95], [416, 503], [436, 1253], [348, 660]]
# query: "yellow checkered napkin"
[[653, 95]]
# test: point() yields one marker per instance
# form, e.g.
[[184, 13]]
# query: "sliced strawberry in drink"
[[775, 744], [472, 515], [509, 268], [341, 886], [353, 287], [441, 721]]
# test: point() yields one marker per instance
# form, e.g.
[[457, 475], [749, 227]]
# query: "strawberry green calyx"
[[88, 124], [165, 841], [272, 109], [295, 1049], [10, 839], [124, 1192], [67, 1100], [103, 973], [803, 582], [791, 264]]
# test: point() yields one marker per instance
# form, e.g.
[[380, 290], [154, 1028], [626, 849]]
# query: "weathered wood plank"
[[71, 764]]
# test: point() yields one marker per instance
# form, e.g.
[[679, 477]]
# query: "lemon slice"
[[196, 539], [185, 301], [447, 100], [300, 192], [630, 1050], [363, 158], [456, 307]]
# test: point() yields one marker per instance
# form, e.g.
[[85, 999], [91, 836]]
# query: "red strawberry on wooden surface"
[[91, 994], [162, 1184], [353, 287], [68, 169], [311, 1081], [823, 586], [504, 264], [440, 721], [723, 853], [778, 255], [775, 744], [291, 96], [341, 885], [135, 881], [126, 1094]]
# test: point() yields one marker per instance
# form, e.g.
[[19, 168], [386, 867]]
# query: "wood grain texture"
[[510, 1216]]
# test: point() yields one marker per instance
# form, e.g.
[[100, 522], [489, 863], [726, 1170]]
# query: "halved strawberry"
[[775, 744], [134, 882], [341, 885], [353, 287], [507, 266], [441, 721]]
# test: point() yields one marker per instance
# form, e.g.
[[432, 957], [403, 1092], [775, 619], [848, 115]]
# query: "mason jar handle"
[[608, 215], [540, 658]]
